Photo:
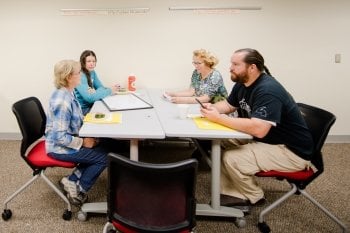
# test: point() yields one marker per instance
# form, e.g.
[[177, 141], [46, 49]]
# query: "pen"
[[200, 103]]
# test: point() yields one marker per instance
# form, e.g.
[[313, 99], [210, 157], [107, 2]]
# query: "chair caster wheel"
[[82, 216], [7, 214], [67, 215], [109, 228], [263, 227], [240, 222]]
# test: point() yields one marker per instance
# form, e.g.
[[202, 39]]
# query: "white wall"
[[297, 38]]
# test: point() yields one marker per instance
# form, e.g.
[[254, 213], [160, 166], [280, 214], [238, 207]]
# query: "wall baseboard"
[[10, 136], [330, 138], [338, 139]]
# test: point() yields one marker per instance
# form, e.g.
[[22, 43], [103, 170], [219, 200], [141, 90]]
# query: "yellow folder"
[[105, 118], [204, 123]]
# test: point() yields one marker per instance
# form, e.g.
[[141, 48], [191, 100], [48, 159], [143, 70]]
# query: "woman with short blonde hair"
[[206, 85], [63, 122], [63, 70]]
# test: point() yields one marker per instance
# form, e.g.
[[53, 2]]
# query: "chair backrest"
[[145, 197], [319, 122], [31, 119]]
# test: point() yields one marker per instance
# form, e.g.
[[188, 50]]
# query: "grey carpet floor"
[[38, 209]]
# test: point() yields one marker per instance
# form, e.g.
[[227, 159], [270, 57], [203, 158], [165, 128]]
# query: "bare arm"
[[254, 126], [184, 93], [187, 97], [190, 100], [224, 107]]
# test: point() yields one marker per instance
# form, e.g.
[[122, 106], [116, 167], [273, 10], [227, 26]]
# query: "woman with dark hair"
[[91, 88]]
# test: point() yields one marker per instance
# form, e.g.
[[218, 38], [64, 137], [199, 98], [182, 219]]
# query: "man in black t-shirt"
[[281, 139]]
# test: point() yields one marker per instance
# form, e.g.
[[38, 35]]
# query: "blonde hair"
[[208, 58], [62, 70]]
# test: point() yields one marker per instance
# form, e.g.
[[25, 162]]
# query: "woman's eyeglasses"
[[197, 63]]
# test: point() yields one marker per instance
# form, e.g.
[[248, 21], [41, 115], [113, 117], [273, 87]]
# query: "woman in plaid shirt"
[[64, 119]]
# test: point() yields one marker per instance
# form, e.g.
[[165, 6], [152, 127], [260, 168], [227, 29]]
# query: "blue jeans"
[[90, 164]]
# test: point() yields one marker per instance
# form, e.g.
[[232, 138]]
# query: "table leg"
[[134, 149], [215, 209], [215, 174]]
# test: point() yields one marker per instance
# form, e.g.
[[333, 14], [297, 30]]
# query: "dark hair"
[[254, 57], [83, 57]]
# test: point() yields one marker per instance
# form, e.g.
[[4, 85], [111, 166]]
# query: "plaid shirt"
[[64, 119]]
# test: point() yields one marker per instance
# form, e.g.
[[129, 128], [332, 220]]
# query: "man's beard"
[[239, 78]]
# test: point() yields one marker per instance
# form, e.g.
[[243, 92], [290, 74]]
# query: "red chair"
[[145, 197], [319, 122], [31, 119]]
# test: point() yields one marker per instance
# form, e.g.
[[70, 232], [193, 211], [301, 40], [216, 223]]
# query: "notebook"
[[128, 101]]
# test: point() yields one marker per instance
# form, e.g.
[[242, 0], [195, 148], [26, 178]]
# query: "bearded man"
[[281, 139]]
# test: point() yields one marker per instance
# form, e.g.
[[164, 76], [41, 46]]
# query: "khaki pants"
[[241, 161]]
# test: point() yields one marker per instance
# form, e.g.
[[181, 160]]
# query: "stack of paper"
[[204, 123]]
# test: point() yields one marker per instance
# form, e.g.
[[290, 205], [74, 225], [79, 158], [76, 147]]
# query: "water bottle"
[[131, 82]]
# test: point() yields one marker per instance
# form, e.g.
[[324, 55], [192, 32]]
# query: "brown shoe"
[[235, 202], [226, 200], [260, 202]]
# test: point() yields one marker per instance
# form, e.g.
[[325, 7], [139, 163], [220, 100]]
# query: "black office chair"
[[145, 197], [319, 122], [31, 119]]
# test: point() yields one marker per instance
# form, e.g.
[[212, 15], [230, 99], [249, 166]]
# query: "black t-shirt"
[[267, 99]]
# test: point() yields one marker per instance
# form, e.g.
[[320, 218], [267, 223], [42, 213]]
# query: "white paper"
[[167, 97], [125, 102]]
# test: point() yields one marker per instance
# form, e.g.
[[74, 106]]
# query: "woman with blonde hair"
[[64, 120], [206, 82]]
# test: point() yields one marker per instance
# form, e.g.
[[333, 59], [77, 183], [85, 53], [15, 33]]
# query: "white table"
[[136, 125], [173, 126], [157, 123]]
